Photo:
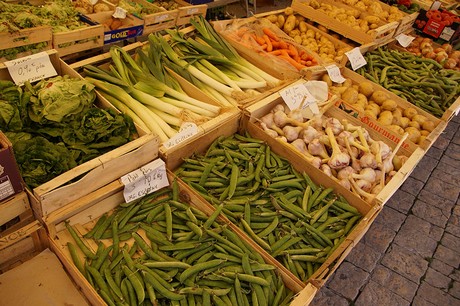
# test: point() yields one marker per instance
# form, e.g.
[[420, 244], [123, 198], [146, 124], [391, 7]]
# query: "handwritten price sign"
[[297, 96], [31, 68], [144, 180], [334, 73], [357, 60], [187, 130]]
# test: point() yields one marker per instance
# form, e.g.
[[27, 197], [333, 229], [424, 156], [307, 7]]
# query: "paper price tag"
[[144, 180], [297, 96], [357, 60], [31, 68], [187, 130], [93, 2], [334, 74], [119, 13], [404, 40]]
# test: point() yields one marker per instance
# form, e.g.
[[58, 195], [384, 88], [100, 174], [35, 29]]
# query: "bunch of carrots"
[[274, 45]]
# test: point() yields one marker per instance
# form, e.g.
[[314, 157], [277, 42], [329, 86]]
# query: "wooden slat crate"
[[85, 212], [20, 245], [188, 11], [368, 210], [402, 103], [383, 33], [95, 173], [40, 35], [15, 212], [79, 40], [269, 63], [408, 149]]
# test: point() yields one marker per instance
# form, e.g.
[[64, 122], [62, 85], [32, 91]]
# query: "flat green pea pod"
[[171, 295], [137, 284], [193, 270], [88, 253]]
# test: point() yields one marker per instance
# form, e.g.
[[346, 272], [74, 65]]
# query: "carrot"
[[264, 47], [276, 52], [293, 62], [283, 44], [271, 34], [241, 31], [268, 42], [259, 40], [275, 44]]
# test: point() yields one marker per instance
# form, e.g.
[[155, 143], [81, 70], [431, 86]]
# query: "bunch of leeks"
[[143, 89]]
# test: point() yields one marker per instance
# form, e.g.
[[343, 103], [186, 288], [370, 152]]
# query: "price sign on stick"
[[334, 73], [144, 180], [357, 60], [31, 68], [404, 40], [187, 130]]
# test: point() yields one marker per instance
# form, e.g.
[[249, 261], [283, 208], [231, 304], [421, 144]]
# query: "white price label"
[[119, 13], [93, 2], [144, 180], [357, 60], [187, 130], [404, 40], [31, 68], [334, 74], [297, 96]]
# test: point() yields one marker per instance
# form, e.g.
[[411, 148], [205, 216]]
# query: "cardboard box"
[[436, 28], [10, 179], [94, 173], [131, 27]]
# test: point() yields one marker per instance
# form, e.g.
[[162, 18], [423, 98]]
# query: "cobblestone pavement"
[[411, 253]]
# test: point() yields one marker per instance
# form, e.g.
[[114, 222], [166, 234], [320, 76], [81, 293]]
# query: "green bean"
[[88, 253]]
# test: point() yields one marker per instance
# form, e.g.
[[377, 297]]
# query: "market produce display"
[[444, 54], [178, 254], [343, 151], [421, 81], [314, 39], [54, 126], [377, 104], [295, 220], [60, 15], [406, 6], [146, 92], [375, 8]]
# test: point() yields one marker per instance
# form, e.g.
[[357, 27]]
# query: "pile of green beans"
[[186, 259], [421, 81], [285, 212]]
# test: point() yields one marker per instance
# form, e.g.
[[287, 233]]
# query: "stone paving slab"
[[411, 253]]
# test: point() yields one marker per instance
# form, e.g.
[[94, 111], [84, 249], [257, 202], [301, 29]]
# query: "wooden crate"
[[188, 11], [440, 124], [368, 210], [15, 212], [163, 19], [269, 63], [22, 244], [408, 149], [131, 27], [85, 212], [95, 173], [71, 42], [382, 34], [26, 37]]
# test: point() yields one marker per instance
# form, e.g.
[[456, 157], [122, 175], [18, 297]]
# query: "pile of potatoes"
[[351, 17], [378, 105], [375, 8], [296, 27]]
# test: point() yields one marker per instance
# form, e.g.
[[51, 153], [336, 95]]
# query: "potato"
[[322, 28], [303, 26], [422, 139], [396, 128], [347, 83], [366, 88], [281, 20], [385, 118], [414, 134], [373, 108], [289, 24], [414, 124], [379, 97], [397, 112], [272, 18], [428, 126], [410, 112], [420, 119], [370, 113], [389, 105], [362, 100], [358, 107], [372, 19], [404, 122], [425, 133], [350, 95], [288, 11]]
